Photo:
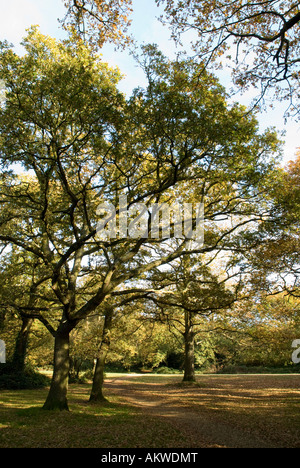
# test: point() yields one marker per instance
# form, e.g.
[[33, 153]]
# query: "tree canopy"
[[260, 38], [99, 21], [71, 142]]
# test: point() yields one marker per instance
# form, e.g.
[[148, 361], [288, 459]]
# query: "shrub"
[[29, 379]]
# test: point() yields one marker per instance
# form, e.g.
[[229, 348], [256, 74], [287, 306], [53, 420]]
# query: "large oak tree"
[[79, 142]]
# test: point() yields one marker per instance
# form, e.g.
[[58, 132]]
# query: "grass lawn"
[[24, 424], [160, 412]]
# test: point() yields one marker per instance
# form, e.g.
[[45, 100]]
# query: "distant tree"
[[103, 349], [266, 328], [193, 299], [117, 309], [139, 341]]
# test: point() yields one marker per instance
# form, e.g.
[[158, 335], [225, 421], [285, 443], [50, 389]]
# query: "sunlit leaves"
[[99, 21], [262, 38], [177, 140]]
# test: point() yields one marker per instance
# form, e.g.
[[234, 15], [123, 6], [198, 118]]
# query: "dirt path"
[[224, 412]]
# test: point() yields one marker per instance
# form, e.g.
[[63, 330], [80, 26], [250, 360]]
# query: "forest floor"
[[218, 411]]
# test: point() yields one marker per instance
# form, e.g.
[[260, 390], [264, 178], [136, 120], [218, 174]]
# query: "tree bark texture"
[[57, 396], [19, 357], [189, 355]]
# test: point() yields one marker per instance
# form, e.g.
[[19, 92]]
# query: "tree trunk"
[[189, 355], [2, 319], [19, 357], [57, 396], [98, 380]]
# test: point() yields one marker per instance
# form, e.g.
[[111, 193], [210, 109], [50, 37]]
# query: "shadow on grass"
[[112, 424]]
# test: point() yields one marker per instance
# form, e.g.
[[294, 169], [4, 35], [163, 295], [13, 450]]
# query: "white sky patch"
[[18, 15]]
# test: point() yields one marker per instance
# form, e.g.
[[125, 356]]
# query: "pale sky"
[[18, 15]]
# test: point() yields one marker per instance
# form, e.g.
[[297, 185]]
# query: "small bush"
[[82, 378], [29, 379], [167, 370]]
